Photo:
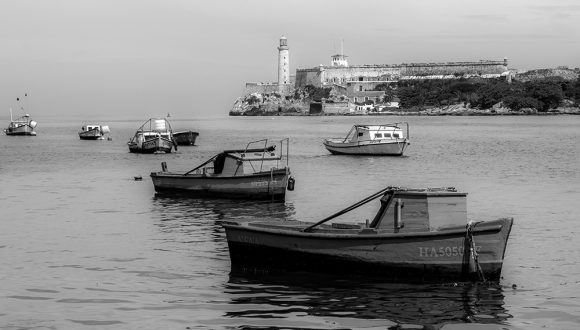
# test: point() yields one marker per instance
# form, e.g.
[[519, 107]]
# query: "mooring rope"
[[470, 253]]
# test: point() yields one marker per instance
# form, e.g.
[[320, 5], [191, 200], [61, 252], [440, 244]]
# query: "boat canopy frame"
[[284, 142], [388, 193], [141, 129]]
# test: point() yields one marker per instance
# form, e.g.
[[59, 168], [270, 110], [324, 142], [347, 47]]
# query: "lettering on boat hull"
[[443, 251]]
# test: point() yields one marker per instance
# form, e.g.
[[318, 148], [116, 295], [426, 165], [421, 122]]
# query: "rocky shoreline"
[[294, 109]]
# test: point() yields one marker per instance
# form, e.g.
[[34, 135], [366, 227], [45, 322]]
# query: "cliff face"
[[257, 104]]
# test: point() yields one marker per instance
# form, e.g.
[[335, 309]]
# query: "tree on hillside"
[[490, 93], [548, 93], [518, 102], [463, 90], [317, 93]]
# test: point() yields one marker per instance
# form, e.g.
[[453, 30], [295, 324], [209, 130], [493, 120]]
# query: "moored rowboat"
[[185, 138], [417, 236], [250, 173]]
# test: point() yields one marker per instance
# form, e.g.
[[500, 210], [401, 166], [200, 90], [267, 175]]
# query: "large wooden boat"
[[250, 173], [154, 135], [185, 138], [418, 235], [21, 126], [93, 132], [387, 140]]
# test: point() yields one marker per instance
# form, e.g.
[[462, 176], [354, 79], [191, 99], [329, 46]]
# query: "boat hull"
[[391, 148], [151, 146], [20, 130], [403, 257], [185, 138], [91, 135], [262, 185]]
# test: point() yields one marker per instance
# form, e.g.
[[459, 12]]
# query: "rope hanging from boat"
[[470, 263], [350, 208]]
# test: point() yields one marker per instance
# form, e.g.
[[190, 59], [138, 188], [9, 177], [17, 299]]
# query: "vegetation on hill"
[[439, 96], [542, 94]]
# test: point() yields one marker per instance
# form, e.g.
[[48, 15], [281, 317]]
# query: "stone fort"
[[358, 82]]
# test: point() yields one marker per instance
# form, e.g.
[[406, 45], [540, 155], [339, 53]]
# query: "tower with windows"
[[283, 62]]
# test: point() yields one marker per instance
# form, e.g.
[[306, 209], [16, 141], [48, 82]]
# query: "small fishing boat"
[[21, 126], [185, 138], [387, 140], [93, 132], [418, 235], [154, 135], [250, 173]]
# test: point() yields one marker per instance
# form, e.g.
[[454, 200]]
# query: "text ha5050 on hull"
[[417, 236]]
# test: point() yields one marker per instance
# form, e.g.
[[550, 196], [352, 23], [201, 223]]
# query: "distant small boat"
[[154, 135], [22, 125], [417, 235], [93, 132], [250, 173], [387, 140], [185, 138]]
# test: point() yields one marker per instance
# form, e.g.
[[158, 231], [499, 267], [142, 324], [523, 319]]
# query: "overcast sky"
[[135, 59]]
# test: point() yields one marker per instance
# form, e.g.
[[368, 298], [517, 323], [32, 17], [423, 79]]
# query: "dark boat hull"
[[260, 186], [91, 135], [24, 130], [185, 138], [409, 257]]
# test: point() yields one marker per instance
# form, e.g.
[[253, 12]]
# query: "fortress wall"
[[453, 68], [308, 77], [335, 108], [260, 88], [270, 88], [355, 73], [340, 75]]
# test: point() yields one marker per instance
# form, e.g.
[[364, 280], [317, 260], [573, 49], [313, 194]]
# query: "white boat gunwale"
[[362, 233]]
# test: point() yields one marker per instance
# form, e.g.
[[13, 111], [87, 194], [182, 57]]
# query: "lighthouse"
[[283, 63]]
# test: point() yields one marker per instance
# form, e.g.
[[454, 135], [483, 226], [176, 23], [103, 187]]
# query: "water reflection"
[[198, 219], [356, 301], [174, 207]]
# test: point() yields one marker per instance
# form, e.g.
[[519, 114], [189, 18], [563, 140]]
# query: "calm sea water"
[[85, 246]]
